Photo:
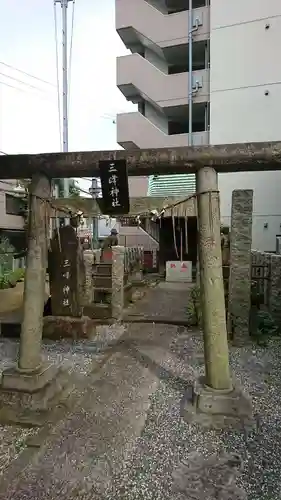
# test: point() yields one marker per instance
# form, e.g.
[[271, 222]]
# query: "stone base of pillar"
[[137, 294], [16, 380], [137, 278], [218, 409], [58, 327], [28, 398]]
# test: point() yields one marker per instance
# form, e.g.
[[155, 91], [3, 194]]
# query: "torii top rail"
[[186, 160]]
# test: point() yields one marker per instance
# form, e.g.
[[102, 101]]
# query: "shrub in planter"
[[265, 328], [18, 275], [256, 296], [194, 306], [10, 280], [4, 282]]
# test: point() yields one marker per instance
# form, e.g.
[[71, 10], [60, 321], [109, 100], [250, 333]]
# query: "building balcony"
[[135, 131], [140, 23], [139, 79]]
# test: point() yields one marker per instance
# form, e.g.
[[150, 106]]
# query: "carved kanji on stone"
[[67, 273]]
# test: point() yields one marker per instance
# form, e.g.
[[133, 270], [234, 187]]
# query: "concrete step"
[[103, 289], [98, 311]]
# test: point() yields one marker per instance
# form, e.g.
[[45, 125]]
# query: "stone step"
[[104, 269], [102, 281]]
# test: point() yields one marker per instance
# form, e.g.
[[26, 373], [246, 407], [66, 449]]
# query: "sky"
[[29, 107]]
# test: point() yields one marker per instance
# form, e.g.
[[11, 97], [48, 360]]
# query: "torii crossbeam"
[[185, 160]]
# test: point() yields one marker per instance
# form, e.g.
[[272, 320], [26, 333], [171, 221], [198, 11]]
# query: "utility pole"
[[94, 192], [64, 7]]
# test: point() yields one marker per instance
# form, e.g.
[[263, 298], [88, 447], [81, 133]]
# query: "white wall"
[[244, 65], [267, 208], [226, 13]]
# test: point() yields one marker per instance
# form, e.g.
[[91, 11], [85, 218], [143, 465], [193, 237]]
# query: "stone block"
[[239, 293], [57, 327]]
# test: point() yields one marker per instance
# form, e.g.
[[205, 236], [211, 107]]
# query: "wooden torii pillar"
[[215, 395]]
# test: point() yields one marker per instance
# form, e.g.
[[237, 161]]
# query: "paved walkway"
[[126, 439], [168, 301]]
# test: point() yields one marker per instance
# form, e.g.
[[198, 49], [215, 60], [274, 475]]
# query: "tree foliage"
[[74, 191]]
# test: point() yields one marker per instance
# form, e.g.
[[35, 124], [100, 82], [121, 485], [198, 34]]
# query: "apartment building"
[[11, 218], [208, 74]]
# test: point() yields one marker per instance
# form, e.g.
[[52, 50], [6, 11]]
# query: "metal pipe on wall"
[[94, 192]]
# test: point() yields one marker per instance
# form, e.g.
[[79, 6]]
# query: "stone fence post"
[[117, 301], [275, 289], [88, 291], [137, 272]]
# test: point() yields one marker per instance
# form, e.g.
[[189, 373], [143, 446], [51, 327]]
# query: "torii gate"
[[206, 162]]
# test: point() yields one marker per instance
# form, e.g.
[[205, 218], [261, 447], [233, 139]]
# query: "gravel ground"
[[78, 356], [173, 460], [207, 464]]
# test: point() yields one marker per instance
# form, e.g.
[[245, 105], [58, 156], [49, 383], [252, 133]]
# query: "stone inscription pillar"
[[67, 273], [239, 298]]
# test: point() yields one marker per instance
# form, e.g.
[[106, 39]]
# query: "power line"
[[27, 74], [24, 83], [12, 87], [24, 90]]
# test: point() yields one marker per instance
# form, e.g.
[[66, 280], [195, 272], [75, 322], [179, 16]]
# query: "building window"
[[14, 205]]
